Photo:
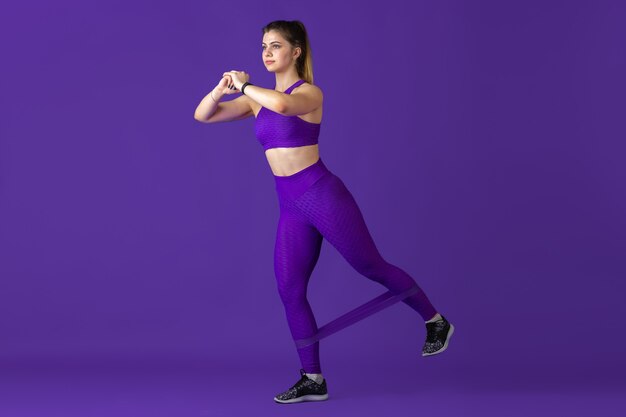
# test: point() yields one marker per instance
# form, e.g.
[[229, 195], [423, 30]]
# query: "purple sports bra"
[[273, 130]]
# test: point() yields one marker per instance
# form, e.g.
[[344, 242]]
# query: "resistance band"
[[373, 306]]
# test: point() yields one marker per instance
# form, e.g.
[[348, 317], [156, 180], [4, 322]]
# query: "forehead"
[[272, 36]]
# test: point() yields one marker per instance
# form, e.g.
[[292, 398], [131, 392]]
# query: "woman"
[[314, 202]]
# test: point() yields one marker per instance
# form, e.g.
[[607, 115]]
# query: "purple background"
[[483, 141]]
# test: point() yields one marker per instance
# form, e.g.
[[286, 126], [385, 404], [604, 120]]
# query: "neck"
[[284, 81]]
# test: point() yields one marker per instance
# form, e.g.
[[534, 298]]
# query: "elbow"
[[281, 107], [200, 119]]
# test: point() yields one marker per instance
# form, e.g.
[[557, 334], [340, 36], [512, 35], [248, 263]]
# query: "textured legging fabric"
[[315, 204]]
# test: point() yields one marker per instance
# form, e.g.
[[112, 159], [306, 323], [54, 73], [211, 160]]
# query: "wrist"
[[216, 94], [244, 86]]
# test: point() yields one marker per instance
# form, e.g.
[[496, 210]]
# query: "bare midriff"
[[288, 161]]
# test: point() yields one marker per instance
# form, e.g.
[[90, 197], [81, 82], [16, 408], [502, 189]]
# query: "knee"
[[291, 293], [375, 268]]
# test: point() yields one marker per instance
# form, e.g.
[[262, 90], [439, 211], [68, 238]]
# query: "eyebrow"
[[271, 42]]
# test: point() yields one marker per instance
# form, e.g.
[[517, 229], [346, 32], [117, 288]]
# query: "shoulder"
[[308, 88]]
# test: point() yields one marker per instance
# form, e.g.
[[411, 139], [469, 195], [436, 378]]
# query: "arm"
[[304, 101], [268, 98], [210, 110], [308, 98]]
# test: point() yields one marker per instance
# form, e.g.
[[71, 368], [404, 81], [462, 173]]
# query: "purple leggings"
[[315, 204]]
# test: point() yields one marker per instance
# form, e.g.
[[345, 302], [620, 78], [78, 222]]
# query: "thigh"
[[297, 249], [332, 209]]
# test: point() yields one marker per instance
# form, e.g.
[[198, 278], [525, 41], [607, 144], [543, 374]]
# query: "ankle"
[[436, 317], [315, 377]]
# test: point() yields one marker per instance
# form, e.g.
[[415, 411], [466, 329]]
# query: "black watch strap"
[[244, 86]]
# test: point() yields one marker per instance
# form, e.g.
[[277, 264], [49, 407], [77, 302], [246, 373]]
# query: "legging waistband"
[[293, 186]]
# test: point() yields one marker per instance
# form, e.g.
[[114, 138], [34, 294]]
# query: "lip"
[[269, 62]]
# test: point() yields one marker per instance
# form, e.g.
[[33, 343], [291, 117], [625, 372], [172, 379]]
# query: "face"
[[278, 52]]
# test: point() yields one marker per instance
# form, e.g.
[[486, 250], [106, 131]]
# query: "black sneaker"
[[437, 336], [304, 390]]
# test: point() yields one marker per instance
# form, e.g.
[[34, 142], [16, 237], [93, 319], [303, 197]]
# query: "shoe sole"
[[303, 398], [445, 345]]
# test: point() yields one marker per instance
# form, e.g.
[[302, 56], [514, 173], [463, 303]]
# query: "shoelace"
[[302, 380]]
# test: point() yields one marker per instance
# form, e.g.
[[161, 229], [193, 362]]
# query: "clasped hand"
[[232, 81]]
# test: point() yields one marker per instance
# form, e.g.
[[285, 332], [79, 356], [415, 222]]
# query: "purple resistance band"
[[373, 306]]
